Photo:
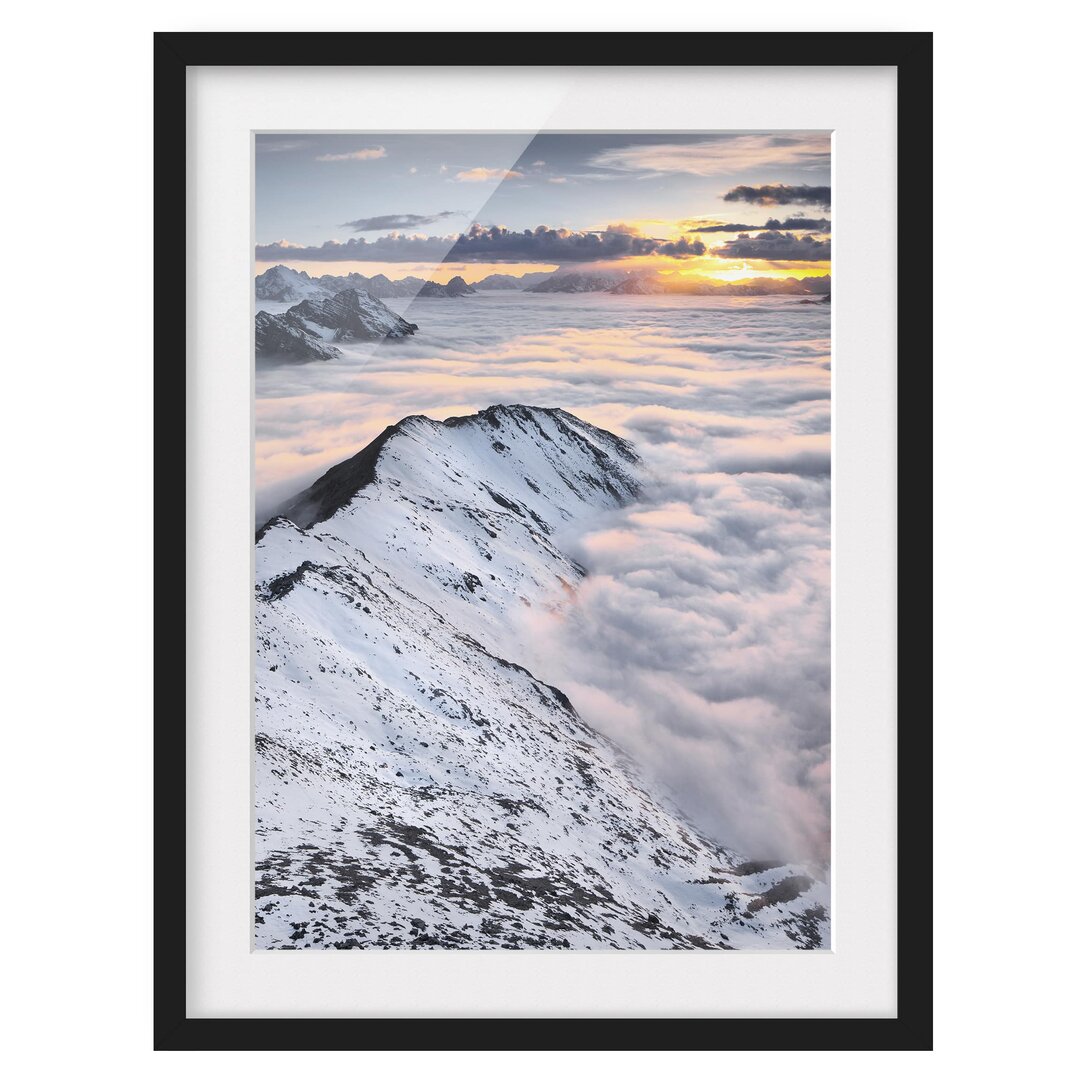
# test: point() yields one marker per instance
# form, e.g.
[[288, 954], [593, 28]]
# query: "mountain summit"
[[283, 284], [418, 786]]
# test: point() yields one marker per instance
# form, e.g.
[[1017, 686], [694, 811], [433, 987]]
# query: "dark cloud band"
[[819, 225], [489, 244], [781, 195], [776, 246]]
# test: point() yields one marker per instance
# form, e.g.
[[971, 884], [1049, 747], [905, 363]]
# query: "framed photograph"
[[557, 651]]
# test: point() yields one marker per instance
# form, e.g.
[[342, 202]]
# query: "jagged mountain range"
[[456, 286], [504, 282], [579, 282], [283, 284], [417, 784]]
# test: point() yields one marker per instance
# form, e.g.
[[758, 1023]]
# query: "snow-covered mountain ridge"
[[306, 330], [417, 785]]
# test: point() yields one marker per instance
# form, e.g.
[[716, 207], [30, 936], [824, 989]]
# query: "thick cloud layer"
[[700, 639], [776, 246], [489, 244]]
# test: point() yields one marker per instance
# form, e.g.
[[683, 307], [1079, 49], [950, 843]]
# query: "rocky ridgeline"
[[419, 782], [308, 330]]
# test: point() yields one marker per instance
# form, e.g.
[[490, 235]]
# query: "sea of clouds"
[[700, 639]]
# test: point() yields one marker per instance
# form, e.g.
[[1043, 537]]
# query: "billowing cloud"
[[489, 244], [819, 225], [481, 175], [366, 153], [781, 195], [699, 641], [719, 155], [776, 246], [396, 221], [542, 244]]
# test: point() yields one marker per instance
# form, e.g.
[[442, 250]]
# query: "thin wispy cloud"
[[367, 153], [279, 146], [397, 221], [796, 224], [720, 156], [480, 175]]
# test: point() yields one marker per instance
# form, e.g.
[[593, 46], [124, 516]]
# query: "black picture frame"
[[911, 55]]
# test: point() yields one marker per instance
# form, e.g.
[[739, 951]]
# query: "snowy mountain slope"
[[305, 331], [287, 336], [283, 284], [379, 285], [416, 786], [352, 315]]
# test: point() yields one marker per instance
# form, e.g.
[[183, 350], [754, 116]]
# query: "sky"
[[728, 205]]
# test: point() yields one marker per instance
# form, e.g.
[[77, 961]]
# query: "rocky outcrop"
[[353, 315], [287, 337]]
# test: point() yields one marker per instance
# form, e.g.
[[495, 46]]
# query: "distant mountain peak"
[[306, 330], [579, 281], [506, 282], [287, 336], [283, 284], [456, 286]]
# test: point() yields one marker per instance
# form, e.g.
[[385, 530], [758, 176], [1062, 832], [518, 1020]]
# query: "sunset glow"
[[723, 208]]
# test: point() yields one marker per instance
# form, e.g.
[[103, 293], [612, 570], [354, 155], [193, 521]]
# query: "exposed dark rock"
[[287, 337]]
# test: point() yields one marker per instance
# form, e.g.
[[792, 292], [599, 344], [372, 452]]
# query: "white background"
[[76, 440]]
